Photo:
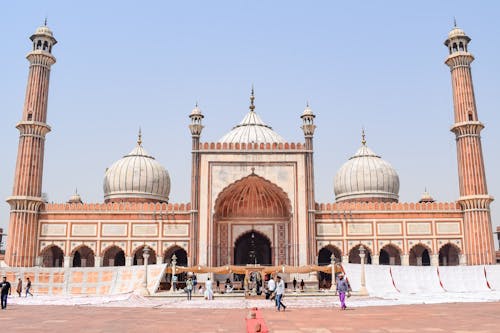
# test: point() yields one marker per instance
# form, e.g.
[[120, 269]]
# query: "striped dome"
[[136, 177], [366, 177]]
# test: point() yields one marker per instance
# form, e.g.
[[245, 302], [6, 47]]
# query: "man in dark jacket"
[[5, 291]]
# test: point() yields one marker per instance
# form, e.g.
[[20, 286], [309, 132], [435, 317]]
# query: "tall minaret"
[[26, 196], [474, 197], [195, 127], [308, 127]]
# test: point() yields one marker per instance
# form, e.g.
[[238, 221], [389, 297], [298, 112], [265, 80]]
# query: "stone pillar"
[[159, 260], [345, 259], [97, 261], [419, 261], [362, 290], [375, 260], [333, 287], [462, 259], [174, 263], [68, 260], [144, 285], [405, 260], [434, 259], [129, 261]]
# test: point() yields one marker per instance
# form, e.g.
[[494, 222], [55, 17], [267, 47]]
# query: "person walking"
[[294, 284], [28, 287], [302, 285], [280, 291], [189, 288], [342, 289], [5, 292], [19, 288]]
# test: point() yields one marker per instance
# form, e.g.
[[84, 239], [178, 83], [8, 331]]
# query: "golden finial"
[[139, 137], [252, 98], [363, 137]]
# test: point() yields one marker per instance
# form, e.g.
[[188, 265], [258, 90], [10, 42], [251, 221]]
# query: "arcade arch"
[[354, 257], [449, 255], [180, 253], [420, 255], [83, 256], [139, 256], [389, 255], [52, 256], [113, 256]]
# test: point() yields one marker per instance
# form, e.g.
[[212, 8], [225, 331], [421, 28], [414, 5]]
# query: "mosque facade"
[[252, 197]]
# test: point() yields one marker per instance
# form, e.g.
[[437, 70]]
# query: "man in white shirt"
[[280, 291], [271, 287]]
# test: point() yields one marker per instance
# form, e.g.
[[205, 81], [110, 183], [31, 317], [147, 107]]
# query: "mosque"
[[252, 196]]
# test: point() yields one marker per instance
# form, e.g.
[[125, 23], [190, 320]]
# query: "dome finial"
[[363, 137], [139, 137], [45, 21], [454, 21], [252, 98]]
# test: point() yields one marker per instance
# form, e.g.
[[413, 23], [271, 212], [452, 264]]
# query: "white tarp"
[[463, 278], [493, 276], [416, 279], [378, 280]]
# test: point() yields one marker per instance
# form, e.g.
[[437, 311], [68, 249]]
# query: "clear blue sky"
[[125, 64]]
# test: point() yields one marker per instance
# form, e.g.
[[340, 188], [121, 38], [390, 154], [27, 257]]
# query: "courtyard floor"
[[452, 317]]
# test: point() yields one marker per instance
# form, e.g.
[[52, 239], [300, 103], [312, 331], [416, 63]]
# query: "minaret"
[[26, 196], [474, 197], [195, 127], [308, 127]]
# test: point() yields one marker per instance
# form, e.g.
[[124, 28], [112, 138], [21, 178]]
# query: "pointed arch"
[[83, 256], [419, 255], [138, 255], [52, 256], [354, 257], [250, 197], [449, 254], [113, 256]]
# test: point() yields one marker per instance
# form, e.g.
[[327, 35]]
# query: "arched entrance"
[[354, 257], [139, 256], [449, 255], [114, 256], [324, 259], [419, 256], [389, 255], [52, 256], [252, 204], [83, 257], [252, 248], [180, 254]]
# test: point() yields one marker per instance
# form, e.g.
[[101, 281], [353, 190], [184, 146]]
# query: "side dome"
[[366, 177], [252, 129], [136, 177]]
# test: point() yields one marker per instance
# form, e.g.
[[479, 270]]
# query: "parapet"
[[119, 207], [388, 206]]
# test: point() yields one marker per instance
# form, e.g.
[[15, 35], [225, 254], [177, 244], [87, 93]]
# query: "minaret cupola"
[[43, 39]]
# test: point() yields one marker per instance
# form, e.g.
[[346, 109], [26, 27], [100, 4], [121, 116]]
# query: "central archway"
[[252, 248], [252, 204]]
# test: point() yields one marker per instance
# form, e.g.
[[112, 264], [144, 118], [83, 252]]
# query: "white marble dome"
[[366, 177], [252, 129], [136, 177]]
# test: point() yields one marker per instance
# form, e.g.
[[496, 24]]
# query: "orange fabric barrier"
[[227, 269]]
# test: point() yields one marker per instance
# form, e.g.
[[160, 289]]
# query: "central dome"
[[136, 177], [366, 177], [252, 130]]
